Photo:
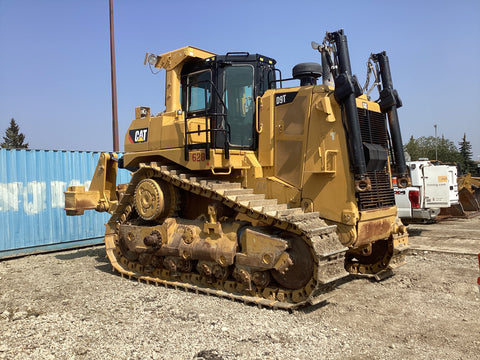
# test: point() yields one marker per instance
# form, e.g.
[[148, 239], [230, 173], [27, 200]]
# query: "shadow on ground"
[[106, 268], [414, 231], [98, 251]]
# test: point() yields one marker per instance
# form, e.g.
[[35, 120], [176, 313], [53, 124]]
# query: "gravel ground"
[[71, 305]]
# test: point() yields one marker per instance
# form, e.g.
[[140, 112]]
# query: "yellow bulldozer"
[[469, 192], [254, 191]]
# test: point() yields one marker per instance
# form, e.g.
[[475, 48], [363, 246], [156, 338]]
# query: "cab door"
[[238, 97]]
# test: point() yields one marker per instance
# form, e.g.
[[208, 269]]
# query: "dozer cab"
[[250, 190]]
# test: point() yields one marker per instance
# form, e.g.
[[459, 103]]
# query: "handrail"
[[222, 173], [237, 53], [258, 105], [224, 126]]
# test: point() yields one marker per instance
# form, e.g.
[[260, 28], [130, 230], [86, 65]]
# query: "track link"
[[327, 251]]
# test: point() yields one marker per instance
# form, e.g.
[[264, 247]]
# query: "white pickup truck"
[[433, 187]]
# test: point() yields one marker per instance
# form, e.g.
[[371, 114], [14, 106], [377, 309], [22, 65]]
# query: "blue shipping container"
[[32, 186]]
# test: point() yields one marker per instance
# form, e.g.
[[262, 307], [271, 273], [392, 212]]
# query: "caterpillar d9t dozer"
[[251, 191]]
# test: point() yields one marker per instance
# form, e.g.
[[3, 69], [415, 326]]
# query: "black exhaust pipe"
[[389, 102]]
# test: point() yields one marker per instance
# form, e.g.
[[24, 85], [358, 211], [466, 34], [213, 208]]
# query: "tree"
[[13, 139], [424, 147], [467, 165]]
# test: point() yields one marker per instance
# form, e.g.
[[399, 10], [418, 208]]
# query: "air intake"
[[307, 73]]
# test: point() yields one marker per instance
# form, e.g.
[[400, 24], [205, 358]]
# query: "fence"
[[32, 185]]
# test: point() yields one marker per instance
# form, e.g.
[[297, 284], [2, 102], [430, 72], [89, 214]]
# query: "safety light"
[[152, 59], [315, 46]]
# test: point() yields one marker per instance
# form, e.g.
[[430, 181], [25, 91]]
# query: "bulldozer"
[[251, 190]]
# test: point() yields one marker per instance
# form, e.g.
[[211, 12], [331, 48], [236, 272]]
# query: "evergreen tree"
[[13, 139], [466, 163]]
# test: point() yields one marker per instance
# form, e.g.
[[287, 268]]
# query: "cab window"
[[199, 89], [239, 100]]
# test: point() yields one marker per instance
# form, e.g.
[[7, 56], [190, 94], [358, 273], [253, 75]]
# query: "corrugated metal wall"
[[32, 185]]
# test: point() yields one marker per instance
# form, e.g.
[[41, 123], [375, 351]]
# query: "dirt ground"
[[70, 305]]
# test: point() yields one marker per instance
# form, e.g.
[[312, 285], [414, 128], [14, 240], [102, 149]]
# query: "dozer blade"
[[454, 210], [470, 200], [468, 196]]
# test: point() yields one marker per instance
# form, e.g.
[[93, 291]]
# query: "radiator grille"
[[381, 195], [373, 127]]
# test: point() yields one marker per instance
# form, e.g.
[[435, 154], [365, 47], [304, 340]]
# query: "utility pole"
[[436, 142], [114, 83]]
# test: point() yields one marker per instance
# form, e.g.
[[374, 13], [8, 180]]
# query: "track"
[[322, 240]]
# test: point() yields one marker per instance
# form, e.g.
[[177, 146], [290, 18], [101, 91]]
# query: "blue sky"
[[55, 58]]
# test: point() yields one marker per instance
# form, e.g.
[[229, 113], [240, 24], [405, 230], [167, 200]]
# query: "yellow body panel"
[[375, 225]]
